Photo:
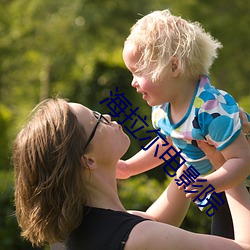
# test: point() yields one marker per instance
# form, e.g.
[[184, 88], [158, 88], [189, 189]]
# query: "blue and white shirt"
[[213, 115]]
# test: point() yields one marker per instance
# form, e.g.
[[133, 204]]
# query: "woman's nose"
[[108, 117]]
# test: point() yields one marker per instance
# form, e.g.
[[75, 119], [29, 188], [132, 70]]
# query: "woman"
[[65, 166]]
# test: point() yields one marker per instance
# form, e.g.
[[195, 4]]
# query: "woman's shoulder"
[[102, 227]]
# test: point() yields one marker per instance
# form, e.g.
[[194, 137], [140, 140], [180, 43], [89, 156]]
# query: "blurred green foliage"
[[9, 231], [72, 48]]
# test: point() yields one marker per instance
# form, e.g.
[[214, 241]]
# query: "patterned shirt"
[[213, 115]]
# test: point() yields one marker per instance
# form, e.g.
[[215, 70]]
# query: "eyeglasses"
[[100, 118]]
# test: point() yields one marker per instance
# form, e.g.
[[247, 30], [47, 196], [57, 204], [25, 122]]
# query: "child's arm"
[[235, 169], [215, 156], [142, 161]]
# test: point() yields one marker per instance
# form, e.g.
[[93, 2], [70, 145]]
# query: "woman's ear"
[[89, 161], [175, 66]]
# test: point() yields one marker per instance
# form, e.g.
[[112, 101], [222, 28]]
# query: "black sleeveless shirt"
[[102, 229]]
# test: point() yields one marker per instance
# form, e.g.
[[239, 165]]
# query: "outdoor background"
[[72, 48]]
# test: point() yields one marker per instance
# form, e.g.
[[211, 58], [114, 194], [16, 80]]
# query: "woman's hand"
[[245, 124], [215, 156]]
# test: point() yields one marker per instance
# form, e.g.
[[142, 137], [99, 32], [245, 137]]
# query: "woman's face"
[[109, 140]]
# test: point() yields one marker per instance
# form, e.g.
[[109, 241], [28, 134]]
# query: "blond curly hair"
[[160, 36]]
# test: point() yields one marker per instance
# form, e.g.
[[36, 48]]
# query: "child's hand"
[[122, 170], [195, 191], [179, 173]]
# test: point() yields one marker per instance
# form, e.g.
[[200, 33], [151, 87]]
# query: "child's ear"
[[175, 66]]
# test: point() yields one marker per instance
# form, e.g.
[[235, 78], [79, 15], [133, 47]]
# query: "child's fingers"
[[191, 195]]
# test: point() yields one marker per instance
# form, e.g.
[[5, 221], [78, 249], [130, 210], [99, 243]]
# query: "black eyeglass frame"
[[100, 118]]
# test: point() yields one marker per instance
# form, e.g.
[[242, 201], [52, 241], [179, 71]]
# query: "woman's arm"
[[236, 167], [245, 124], [159, 236], [214, 156], [239, 203]]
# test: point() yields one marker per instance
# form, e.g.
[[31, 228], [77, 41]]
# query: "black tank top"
[[102, 229]]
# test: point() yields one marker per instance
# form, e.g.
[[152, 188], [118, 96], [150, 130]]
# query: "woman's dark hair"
[[49, 180]]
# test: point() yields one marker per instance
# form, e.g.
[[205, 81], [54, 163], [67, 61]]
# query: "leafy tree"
[[73, 48], [228, 22], [5, 122]]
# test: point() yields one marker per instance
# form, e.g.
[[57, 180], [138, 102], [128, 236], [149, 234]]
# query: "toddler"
[[170, 59]]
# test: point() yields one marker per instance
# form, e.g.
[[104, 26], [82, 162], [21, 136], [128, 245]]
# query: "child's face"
[[152, 92]]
